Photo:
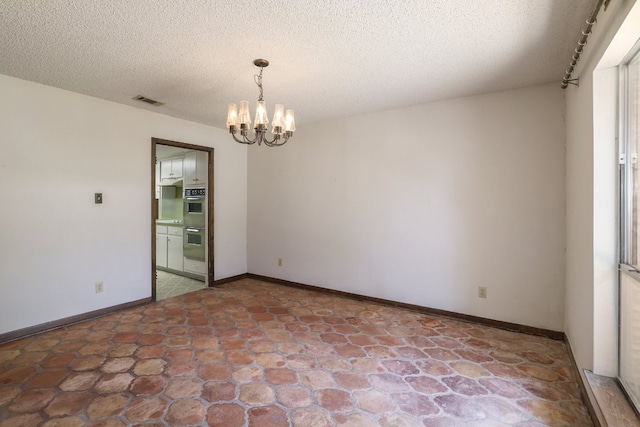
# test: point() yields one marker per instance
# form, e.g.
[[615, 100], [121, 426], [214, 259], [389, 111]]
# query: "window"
[[629, 363]]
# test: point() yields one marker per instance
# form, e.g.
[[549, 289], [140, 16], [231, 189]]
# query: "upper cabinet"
[[171, 168], [195, 168], [192, 169]]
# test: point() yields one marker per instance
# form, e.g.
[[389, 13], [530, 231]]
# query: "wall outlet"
[[482, 291], [279, 262], [99, 287]]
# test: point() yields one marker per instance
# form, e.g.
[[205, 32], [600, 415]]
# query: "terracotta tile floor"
[[257, 354]]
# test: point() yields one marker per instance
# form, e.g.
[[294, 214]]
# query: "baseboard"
[[230, 279], [43, 327], [22, 333], [183, 273], [556, 335]]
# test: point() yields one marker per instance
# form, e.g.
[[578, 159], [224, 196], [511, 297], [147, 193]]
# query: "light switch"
[[98, 198]]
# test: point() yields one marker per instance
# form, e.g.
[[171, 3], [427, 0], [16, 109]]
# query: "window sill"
[[612, 402]]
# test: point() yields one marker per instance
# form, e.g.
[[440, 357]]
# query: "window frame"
[[629, 170]]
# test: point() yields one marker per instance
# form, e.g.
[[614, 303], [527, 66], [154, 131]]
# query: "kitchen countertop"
[[172, 222]]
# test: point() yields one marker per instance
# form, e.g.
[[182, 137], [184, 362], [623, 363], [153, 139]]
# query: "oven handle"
[[194, 198], [194, 230]]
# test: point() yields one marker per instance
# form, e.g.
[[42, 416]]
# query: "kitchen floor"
[[171, 285], [250, 353]]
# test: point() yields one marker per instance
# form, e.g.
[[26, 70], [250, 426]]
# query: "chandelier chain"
[[258, 79]]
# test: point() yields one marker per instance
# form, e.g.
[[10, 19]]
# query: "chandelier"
[[283, 123]]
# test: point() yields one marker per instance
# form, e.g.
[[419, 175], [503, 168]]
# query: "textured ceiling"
[[329, 58]]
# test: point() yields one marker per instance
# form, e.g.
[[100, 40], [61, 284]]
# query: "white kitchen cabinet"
[[171, 168], [169, 247], [195, 267], [174, 252], [175, 231], [161, 250], [195, 168]]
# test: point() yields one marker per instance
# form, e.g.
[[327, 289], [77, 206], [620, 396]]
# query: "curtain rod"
[[567, 80]]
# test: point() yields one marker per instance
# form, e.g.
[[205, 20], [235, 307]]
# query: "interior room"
[[433, 223]]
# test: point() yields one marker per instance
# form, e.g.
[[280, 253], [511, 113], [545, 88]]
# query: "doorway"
[[182, 214]]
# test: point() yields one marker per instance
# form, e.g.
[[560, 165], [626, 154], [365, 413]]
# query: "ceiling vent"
[[148, 100]]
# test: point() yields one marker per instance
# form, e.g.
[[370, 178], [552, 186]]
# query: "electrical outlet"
[[99, 287], [279, 262], [482, 291]]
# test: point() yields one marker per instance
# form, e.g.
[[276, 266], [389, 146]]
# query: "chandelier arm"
[[246, 141], [274, 141], [284, 141], [267, 142], [252, 141]]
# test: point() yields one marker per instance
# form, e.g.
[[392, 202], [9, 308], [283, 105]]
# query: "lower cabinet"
[[169, 253], [161, 250], [195, 267], [174, 252], [169, 247]]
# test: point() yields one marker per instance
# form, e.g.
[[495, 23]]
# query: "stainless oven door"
[[193, 243], [193, 212]]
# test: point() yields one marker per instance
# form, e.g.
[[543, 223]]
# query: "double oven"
[[194, 214]]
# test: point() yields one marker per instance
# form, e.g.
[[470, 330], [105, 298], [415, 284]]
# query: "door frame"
[[210, 207]]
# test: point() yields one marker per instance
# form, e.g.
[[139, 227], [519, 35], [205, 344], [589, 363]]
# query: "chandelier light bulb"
[[261, 114], [278, 120], [290, 122], [244, 116], [232, 115]]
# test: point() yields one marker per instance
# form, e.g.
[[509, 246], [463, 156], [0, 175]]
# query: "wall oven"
[[194, 210], [194, 207], [194, 240]]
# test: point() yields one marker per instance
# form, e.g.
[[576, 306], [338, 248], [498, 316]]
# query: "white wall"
[[422, 205], [591, 305], [57, 149], [579, 296]]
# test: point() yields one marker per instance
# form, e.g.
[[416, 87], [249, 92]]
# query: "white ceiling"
[[329, 58]]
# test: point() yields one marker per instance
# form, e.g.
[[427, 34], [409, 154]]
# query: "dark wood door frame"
[[154, 207]]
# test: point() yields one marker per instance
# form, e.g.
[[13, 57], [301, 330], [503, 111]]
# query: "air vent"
[[148, 100]]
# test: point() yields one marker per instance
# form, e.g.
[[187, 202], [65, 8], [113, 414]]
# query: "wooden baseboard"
[[556, 335], [22, 333], [43, 327], [182, 273], [230, 279]]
